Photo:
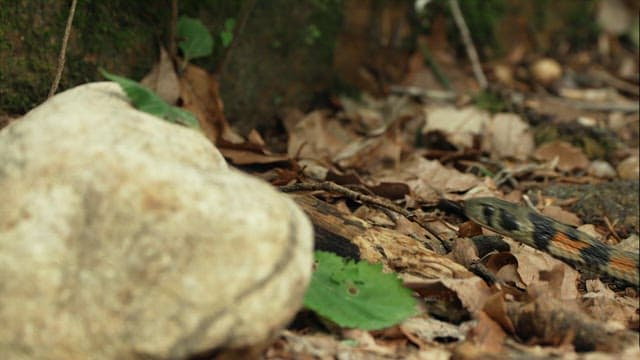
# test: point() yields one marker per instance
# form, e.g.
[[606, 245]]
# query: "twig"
[[627, 107], [422, 93], [375, 201], [611, 228], [63, 50], [611, 80], [468, 44], [244, 15], [173, 23], [351, 194]]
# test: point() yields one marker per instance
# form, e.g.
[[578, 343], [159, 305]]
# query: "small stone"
[[629, 168], [601, 169], [546, 71]]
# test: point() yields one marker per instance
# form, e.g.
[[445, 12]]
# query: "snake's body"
[[561, 241]]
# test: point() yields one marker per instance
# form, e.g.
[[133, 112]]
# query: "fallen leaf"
[[458, 125], [163, 80], [428, 179], [200, 95], [569, 157], [507, 135]]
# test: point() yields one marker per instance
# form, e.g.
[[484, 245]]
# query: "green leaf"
[[175, 114], [146, 100], [226, 35], [357, 295], [196, 39]]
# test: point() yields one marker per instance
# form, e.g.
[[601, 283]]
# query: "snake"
[[557, 239]]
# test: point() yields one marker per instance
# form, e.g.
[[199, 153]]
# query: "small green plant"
[[195, 39], [357, 295], [226, 35], [146, 100], [312, 34], [490, 101]]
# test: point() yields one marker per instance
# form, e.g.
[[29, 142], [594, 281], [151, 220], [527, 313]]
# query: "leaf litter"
[[416, 150]]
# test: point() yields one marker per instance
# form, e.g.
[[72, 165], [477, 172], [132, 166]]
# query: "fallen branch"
[[328, 186], [63, 50], [468, 44]]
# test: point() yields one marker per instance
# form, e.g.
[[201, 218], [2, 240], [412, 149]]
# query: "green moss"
[[118, 35]]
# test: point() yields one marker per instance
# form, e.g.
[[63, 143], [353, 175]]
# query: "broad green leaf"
[[146, 100], [196, 41], [357, 295]]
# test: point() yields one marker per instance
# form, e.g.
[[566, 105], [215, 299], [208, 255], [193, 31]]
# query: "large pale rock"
[[123, 236]]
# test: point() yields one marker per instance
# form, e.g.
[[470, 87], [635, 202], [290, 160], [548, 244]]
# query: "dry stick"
[[63, 50], [173, 51], [612, 229], [468, 43], [376, 201]]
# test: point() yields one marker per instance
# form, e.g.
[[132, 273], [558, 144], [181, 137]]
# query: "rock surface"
[[123, 237]]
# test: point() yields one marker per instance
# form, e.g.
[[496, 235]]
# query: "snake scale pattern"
[[561, 241]]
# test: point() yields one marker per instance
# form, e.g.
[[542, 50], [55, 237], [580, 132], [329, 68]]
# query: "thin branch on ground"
[[612, 229], [626, 107], [367, 199], [468, 44], [423, 94], [63, 50], [173, 24]]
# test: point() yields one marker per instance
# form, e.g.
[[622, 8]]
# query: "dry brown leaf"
[[163, 80], [532, 262], [366, 341], [561, 215], [557, 283], [318, 137], [458, 125], [428, 179], [495, 307], [487, 336], [371, 154], [507, 135], [245, 157], [423, 330], [607, 306], [473, 292], [505, 267], [569, 157], [200, 95], [328, 140]]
